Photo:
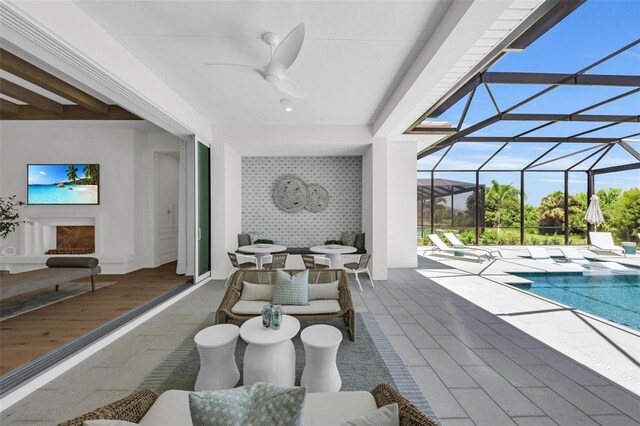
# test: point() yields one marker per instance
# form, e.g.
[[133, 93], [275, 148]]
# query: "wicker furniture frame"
[[135, 406], [316, 276]]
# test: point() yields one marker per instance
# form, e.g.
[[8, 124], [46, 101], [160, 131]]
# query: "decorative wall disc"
[[290, 194], [318, 198]]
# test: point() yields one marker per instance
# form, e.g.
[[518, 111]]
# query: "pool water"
[[612, 296]]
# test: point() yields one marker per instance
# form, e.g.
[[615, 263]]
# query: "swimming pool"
[[612, 296]]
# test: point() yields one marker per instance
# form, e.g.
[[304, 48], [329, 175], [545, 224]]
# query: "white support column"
[[226, 205], [401, 205], [374, 206]]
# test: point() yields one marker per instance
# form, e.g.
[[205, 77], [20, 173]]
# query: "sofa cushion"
[[244, 240], [359, 244], [251, 291], [333, 408], [323, 291], [170, 409], [383, 416], [103, 422], [72, 262], [320, 408], [260, 403], [254, 307], [291, 289]]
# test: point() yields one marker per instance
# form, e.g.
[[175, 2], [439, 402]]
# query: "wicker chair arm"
[[384, 394], [131, 409]]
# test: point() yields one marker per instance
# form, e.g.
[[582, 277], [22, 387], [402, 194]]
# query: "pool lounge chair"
[[604, 241], [456, 243], [440, 246], [540, 254], [572, 255]]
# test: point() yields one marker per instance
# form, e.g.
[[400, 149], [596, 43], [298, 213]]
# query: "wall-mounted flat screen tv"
[[63, 184]]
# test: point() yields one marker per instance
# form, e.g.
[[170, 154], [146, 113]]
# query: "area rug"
[[362, 364], [23, 305]]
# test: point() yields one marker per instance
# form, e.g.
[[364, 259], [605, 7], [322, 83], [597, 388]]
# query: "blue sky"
[[52, 173], [594, 30]]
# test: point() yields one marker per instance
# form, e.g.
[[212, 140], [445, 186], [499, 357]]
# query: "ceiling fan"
[[282, 58]]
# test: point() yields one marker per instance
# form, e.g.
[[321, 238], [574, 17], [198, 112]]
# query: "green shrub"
[[468, 237], [263, 241], [489, 237]]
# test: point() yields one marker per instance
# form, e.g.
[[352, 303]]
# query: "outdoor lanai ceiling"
[[353, 56], [564, 103], [28, 92]]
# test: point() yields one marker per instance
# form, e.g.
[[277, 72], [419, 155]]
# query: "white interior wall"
[[125, 216], [401, 205]]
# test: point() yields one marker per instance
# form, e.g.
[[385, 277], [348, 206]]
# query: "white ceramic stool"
[[218, 369], [321, 343], [270, 356]]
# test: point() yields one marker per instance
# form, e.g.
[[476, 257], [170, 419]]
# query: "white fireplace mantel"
[[39, 233]]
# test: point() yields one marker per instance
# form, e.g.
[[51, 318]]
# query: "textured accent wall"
[[340, 176]]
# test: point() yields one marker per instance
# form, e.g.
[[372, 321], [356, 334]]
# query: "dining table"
[[334, 252], [260, 251]]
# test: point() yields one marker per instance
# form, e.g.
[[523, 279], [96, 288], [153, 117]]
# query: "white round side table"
[[216, 346], [321, 343], [270, 356]]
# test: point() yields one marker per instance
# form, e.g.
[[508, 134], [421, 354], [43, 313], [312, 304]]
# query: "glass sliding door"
[[203, 210]]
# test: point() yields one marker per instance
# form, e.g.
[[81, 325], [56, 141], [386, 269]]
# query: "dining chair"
[[233, 257], [361, 266], [278, 261], [310, 263]]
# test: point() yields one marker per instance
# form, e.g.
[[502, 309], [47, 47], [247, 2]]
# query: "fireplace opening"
[[74, 240]]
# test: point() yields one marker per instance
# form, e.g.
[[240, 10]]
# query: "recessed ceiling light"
[[286, 104]]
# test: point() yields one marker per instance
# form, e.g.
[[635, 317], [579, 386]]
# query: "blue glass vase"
[[266, 316], [276, 317]]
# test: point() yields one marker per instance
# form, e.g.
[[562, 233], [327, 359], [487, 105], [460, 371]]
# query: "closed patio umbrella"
[[594, 214]]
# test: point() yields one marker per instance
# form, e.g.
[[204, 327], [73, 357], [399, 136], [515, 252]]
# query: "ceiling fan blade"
[[287, 50], [289, 87]]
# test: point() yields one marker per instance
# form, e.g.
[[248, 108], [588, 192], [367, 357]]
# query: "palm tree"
[[91, 173], [72, 173], [501, 197]]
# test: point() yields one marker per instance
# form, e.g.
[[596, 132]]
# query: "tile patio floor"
[[473, 367]]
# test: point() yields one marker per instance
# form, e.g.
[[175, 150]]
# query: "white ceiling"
[[353, 56]]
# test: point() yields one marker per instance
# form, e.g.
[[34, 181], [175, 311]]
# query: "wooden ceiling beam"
[[23, 69], [8, 107], [34, 99], [70, 112]]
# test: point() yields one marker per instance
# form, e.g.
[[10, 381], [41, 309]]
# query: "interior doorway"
[[166, 206]]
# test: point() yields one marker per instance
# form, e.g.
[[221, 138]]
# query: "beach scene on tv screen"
[[63, 184]]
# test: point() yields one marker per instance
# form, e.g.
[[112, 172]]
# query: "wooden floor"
[[30, 335]]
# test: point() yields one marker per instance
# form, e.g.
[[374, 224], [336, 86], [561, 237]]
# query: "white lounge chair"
[[572, 255], [439, 245], [540, 254], [456, 243], [604, 241]]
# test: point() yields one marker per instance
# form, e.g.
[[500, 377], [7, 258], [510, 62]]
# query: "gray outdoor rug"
[[362, 364]]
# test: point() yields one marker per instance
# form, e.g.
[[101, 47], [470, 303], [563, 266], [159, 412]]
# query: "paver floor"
[[473, 367]]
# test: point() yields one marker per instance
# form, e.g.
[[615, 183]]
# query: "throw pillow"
[[251, 291], [291, 290], [323, 291], [383, 416], [108, 423], [349, 237], [359, 243], [258, 404]]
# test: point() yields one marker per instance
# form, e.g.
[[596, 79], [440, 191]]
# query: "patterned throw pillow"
[[291, 290], [258, 404]]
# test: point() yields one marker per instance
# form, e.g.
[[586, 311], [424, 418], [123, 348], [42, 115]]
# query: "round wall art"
[[290, 194], [318, 198]]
